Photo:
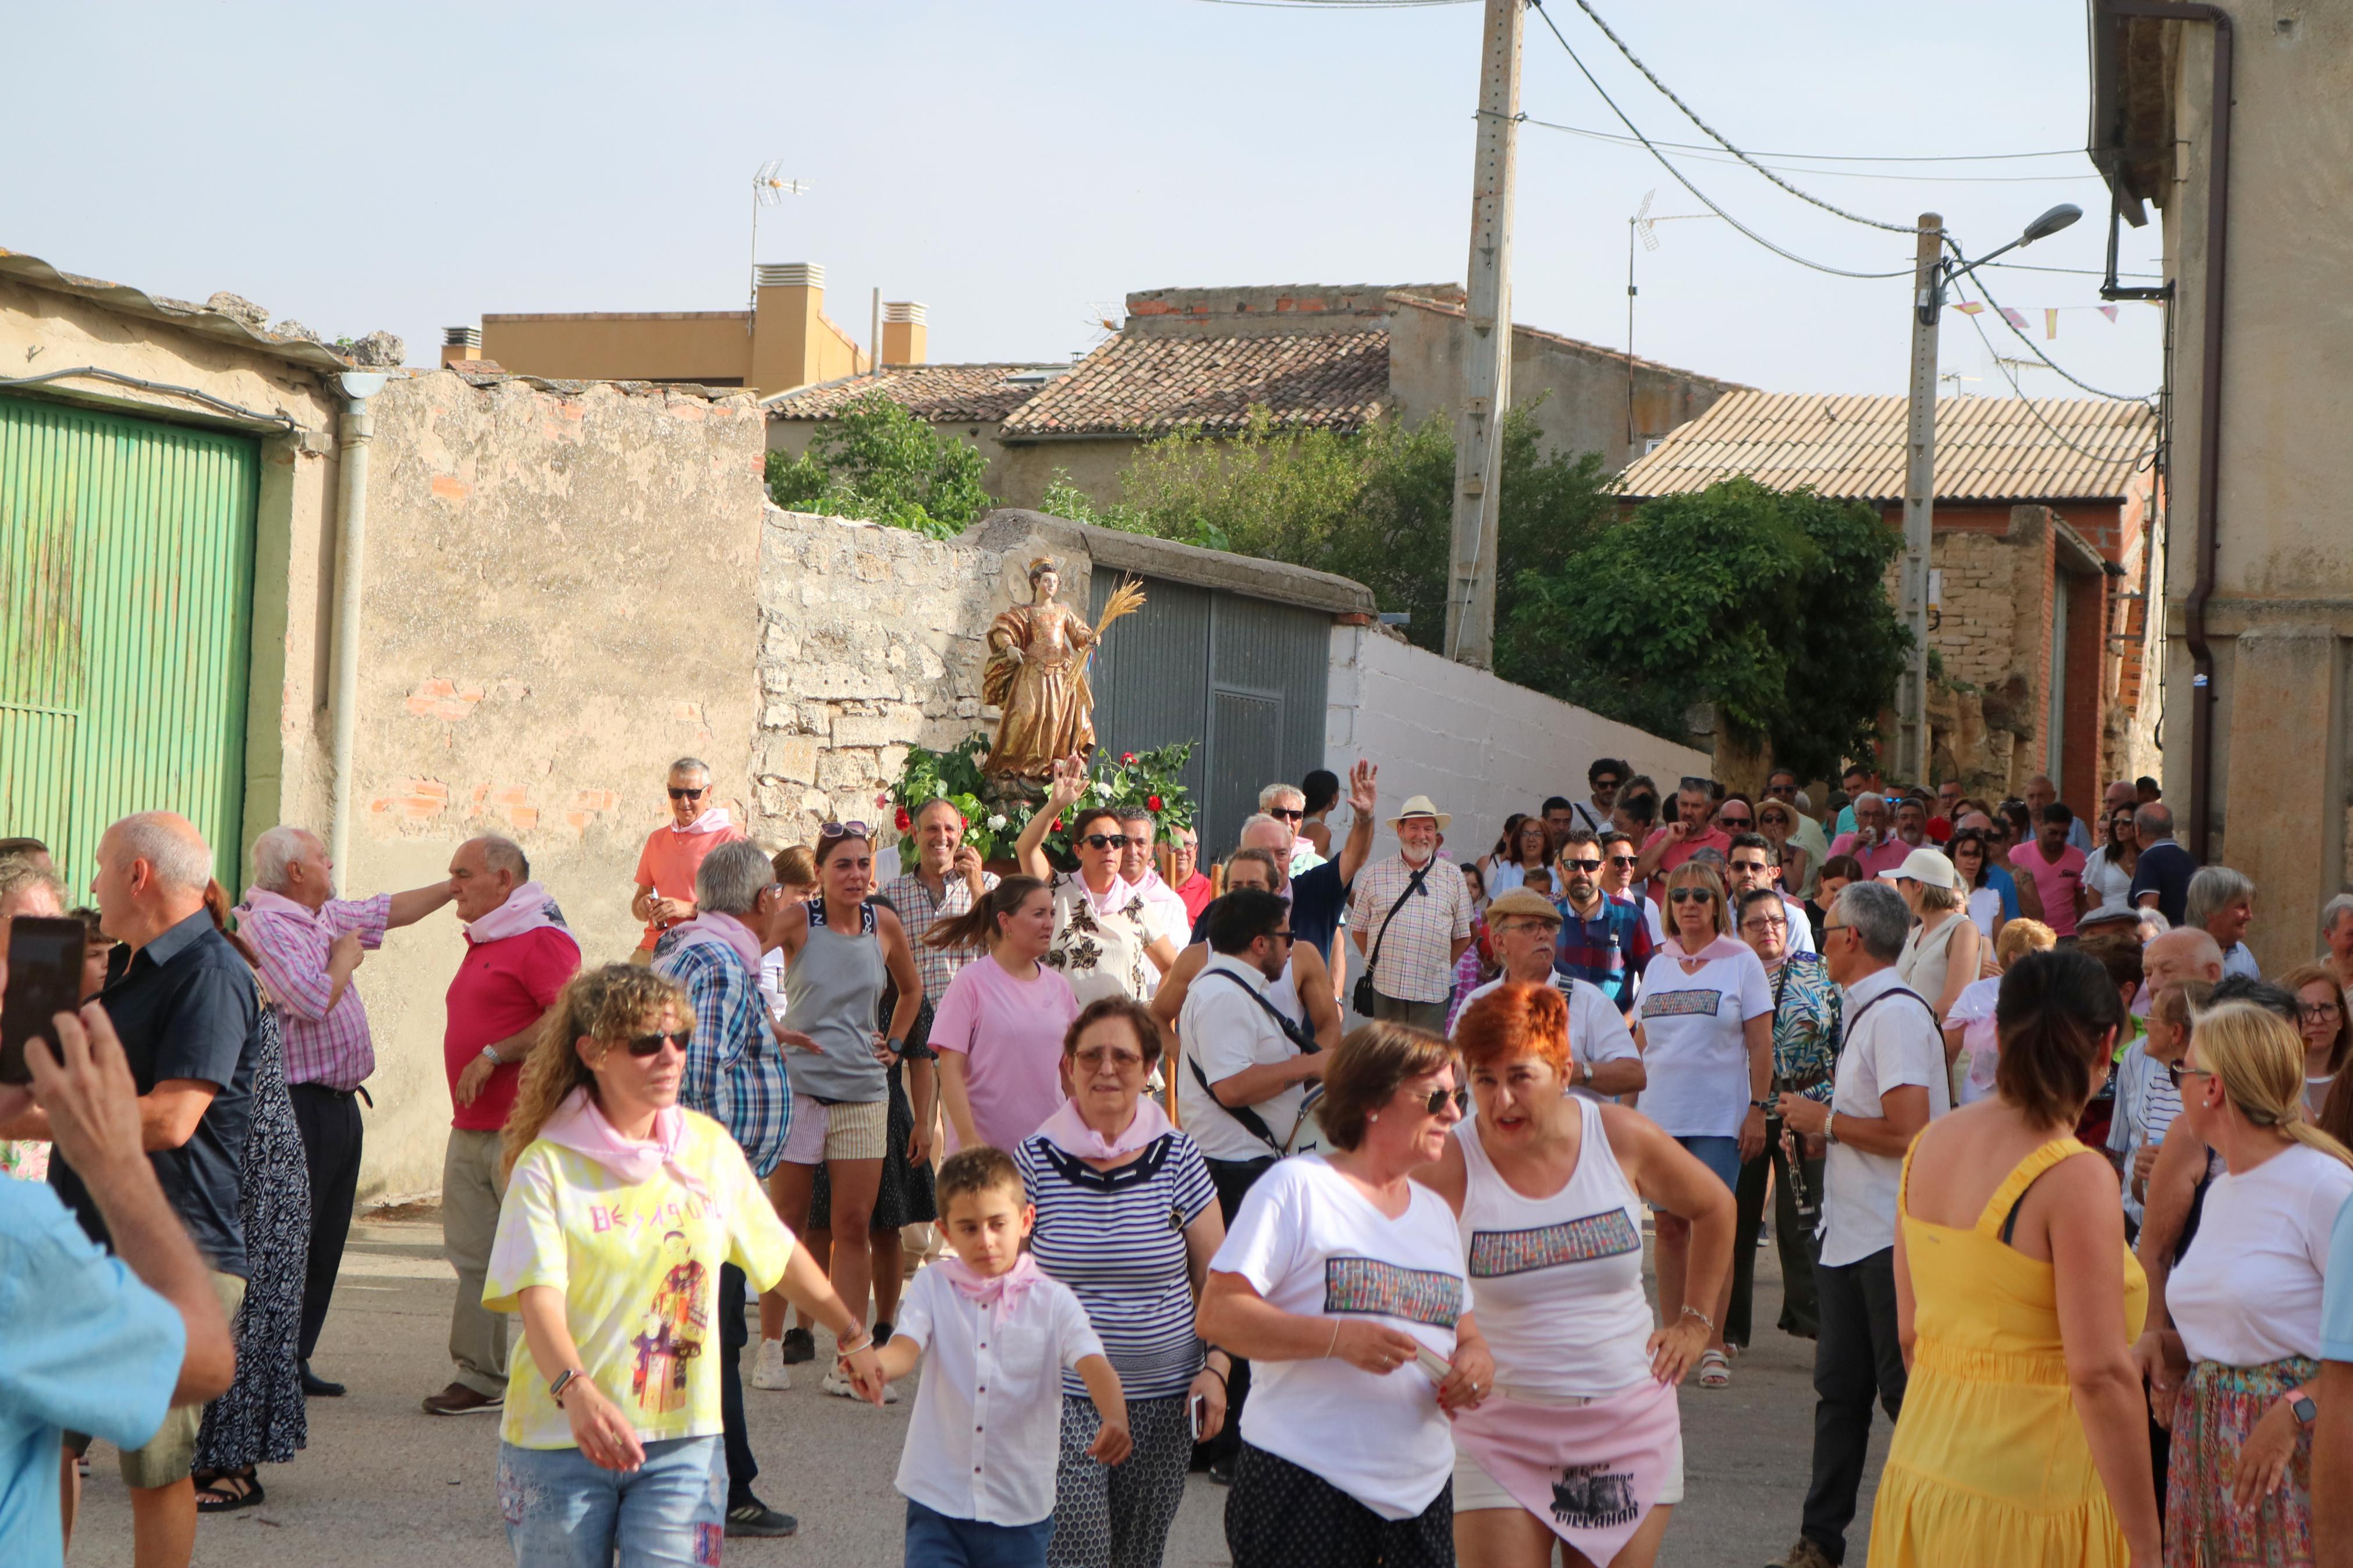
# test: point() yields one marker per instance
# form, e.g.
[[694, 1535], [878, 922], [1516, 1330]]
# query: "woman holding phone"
[[1127, 1217]]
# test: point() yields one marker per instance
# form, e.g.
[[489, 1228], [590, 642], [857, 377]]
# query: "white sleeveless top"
[[1558, 1281]]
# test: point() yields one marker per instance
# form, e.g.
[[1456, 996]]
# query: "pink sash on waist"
[[1592, 1472]]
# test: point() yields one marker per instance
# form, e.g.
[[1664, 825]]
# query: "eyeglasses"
[[1689, 895], [1093, 1057], [651, 1045], [2179, 1070], [842, 830], [1286, 814], [1625, 859], [2314, 1012], [677, 793], [1584, 864], [1764, 923], [1828, 928], [1106, 841], [1436, 1104]]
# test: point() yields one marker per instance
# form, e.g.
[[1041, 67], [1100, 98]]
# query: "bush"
[[875, 460]]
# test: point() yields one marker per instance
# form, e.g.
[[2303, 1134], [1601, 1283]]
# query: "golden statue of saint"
[[1036, 674]]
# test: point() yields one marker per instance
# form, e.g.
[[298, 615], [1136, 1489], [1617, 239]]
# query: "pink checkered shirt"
[[1416, 961], [322, 1046]]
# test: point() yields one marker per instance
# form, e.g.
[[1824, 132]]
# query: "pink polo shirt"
[[1713, 839], [1010, 1033], [1888, 855], [2055, 880], [669, 862]]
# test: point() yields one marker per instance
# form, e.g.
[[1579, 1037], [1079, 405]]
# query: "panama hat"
[[1925, 865], [1419, 805]]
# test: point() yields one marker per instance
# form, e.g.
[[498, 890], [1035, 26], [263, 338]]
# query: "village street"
[[382, 1485]]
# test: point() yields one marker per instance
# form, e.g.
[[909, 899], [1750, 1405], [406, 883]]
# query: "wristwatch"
[[2300, 1402], [1830, 1128], [559, 1383]]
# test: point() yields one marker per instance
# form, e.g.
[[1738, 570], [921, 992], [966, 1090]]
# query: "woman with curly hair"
[[620, 1209]]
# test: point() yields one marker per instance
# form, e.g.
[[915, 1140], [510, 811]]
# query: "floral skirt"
[[2217, 1409]]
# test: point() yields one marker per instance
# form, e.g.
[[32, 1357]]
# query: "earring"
[[1375, 1116]]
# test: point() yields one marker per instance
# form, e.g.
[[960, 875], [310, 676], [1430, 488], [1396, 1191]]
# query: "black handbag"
[[1362, 996]]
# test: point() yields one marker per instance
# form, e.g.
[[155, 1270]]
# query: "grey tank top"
[[832, 993]]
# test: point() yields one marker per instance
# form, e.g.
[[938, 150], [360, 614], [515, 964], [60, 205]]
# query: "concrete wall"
[[1582, 386], [2283, 608], [708, 346], [561, 597], [1480, 747]]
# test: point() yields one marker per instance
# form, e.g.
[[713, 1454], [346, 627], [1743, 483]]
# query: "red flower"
[[1056, 827], [903, 820], [1152, 803], [1127, 756]]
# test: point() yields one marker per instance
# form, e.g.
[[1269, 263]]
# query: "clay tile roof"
[[1851, 448], [1139, 385], [942, 393]]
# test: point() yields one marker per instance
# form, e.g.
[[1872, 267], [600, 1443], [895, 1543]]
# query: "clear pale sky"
[[1021, 166]]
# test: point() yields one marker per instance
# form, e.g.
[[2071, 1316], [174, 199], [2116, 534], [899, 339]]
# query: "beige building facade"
[[2230, 120]]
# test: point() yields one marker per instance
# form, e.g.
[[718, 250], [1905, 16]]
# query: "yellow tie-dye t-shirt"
[[638, 1267]]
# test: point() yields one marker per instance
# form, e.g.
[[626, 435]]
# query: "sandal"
[[228, 1492], [1714, 1369]]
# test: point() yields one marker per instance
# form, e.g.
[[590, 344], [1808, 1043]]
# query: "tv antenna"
[[1642, 226], [768, 191]]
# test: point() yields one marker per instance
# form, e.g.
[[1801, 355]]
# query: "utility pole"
[[1919, 500], [1487, 349]]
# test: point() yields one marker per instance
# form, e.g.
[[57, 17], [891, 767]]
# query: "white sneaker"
[[842, 1388], [770, 1371]]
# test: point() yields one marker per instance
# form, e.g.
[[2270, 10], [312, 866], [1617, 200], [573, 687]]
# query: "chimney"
[[793, 345], [461, 343], [903, 332]]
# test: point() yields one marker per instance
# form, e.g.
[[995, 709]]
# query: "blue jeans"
[[1721, 1155], [936, 1539], [562, 1511]]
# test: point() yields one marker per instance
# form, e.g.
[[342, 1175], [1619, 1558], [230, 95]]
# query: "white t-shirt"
[[2249, 1289], [1307, 1241], [1985, 907], [2109, 884], [1693, 1053], [1224, 1031], [1981, 1041], [1596, 1031], [1894, 1045]]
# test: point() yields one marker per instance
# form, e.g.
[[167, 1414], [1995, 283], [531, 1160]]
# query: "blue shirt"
[[1998, 878], [88, 1347], [2165, 868], [735, 1071], [2336, 1291]]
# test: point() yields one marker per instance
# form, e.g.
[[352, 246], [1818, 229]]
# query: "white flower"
[[996, 822], [1102, 789]]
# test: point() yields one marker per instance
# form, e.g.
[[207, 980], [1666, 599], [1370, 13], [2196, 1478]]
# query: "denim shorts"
[[1721, 1155], [563, 1511]]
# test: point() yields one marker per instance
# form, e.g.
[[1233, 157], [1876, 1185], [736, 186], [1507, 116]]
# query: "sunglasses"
[[1106, 841], [842, 830], [1625, 859], [1584, 864], [1436, 1104], [1689, 895], [1734, 821], [1281, 936], [1286, 814], [651, 1045], [677, 793], [1605, 783]]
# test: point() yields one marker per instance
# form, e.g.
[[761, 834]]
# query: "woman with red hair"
[[1547, 1189]]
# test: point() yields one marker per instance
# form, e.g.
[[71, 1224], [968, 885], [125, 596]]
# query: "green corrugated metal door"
[[126, 573]]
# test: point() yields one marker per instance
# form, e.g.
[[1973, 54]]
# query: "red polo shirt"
[[502, 989]]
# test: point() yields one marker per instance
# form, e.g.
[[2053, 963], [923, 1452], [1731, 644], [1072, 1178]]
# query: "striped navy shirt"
[[1117, 1239]]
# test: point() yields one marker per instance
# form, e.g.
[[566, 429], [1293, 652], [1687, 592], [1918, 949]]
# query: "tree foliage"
[[1771, 604], [875, 460]]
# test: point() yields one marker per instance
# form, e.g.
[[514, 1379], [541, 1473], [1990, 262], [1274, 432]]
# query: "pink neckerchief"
[[726, 929], [1068, 1130], [710, 821], [580, 1126], [1118, 901], [1719, 947], [1002, 1291], [527, 908]]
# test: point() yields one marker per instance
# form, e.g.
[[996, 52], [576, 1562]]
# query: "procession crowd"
[[2056, 1168]]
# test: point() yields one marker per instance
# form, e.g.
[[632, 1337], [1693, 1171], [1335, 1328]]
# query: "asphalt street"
[[382, 1485]]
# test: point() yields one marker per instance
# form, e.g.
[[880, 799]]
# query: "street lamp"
[[1931, 275]]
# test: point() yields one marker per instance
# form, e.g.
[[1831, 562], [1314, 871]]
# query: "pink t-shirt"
[[2055, 880], [1888, 855], [668, 864], [1010, 1033], [1713, 839]]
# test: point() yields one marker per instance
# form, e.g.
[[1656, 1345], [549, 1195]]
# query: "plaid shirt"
[[1806, 1023], [329, 1046], [1417, 956], [735, 1068], [1608, 951], [919, 912]]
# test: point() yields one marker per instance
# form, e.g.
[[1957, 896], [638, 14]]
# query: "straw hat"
[[1925, 865], [1419, 805]]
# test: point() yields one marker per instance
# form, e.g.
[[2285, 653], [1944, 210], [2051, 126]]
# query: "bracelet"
[[843, 1352], [1335, 1341], [1220, 1376], [1706, 1321]]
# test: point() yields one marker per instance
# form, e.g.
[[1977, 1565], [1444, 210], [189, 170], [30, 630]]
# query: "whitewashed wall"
[[1479, 746]]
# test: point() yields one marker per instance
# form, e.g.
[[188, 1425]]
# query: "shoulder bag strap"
[[1252, 1121], [1411, 888], [1297, 1034]]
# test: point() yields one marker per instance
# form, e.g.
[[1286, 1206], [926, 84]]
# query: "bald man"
[[189, 1017]]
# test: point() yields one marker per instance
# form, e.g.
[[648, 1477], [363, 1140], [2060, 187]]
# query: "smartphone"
[[44, 980], [1197, 1414]]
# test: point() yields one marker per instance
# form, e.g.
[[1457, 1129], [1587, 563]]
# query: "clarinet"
[[1807, 1202]]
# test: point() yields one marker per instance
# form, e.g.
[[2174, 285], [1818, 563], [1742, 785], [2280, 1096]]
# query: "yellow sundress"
[[1990, 1465]]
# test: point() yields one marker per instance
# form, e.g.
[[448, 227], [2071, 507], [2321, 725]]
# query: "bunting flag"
[[2108, 311], [1969, 307], [2050, 324], [2015, 318]]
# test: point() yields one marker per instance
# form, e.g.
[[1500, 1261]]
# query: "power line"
[[2052, 430], [1705, 155], [2070, 271], [1691, 114], [1683, 180], [2064, 374], [1833, 157]]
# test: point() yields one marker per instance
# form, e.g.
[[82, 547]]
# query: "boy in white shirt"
[[984, 1438]]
